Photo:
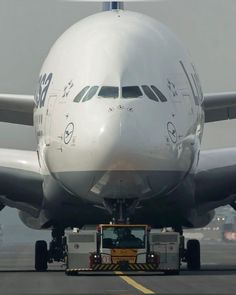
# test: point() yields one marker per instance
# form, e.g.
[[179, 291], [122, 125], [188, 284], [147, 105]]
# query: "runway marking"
[[133, 283]]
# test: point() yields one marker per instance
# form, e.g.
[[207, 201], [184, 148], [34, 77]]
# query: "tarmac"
[[17, 276]]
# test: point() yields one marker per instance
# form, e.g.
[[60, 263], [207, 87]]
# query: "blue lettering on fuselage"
[[44, 83]]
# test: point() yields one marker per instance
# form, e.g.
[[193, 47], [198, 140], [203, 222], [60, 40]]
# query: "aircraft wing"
[[219, 106], [16, 109], [20, 180], [215, 179]]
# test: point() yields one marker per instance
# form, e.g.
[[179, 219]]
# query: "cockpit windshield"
[[81, 94], [150, 94], [92, 91], [131, 92], [159, 93], [109, 92], [127, 92], [123, 237]]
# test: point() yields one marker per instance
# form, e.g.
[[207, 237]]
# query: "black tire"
[[193, 255], [41, 256]]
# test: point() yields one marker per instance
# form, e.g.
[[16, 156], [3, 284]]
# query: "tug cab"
[[124, 246]]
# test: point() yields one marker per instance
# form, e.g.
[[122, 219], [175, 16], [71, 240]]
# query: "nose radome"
[[114, 142], [118, 141]]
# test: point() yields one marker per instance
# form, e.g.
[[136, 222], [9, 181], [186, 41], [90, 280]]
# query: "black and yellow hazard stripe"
[[143, 266], [105, 267], [115, 267]]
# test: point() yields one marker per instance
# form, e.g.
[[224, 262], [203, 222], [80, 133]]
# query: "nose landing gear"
[[121, 209], [56, 251]]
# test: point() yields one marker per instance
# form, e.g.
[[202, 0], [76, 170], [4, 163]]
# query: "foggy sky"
[[28, 28]]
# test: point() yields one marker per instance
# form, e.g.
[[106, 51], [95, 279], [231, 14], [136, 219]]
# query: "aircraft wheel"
[[193, 255], [41, 256]]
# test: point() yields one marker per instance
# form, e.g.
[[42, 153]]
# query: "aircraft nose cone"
[[120, 136], [117, 142]]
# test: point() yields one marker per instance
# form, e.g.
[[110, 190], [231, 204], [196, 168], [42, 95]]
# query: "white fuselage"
[[118, 148]]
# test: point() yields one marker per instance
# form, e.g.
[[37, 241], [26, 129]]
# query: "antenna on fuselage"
[[112, 5]]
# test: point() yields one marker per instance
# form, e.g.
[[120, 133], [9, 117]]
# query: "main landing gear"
[[56, 251], [191, 254], [41, 256]]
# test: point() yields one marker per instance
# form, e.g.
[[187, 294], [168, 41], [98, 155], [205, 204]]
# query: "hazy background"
[[28, 28]]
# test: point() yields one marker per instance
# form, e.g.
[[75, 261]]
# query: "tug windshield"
[[123, 237]]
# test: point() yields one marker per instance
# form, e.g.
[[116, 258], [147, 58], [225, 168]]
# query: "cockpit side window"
[[92, 91], [131, 92], [147, 90], [109, 92], [159, 93], [81, 94]]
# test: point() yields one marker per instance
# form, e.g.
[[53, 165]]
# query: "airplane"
[[119, 114]]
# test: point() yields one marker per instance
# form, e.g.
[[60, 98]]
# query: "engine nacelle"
[[33, 222], [197, 220]]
